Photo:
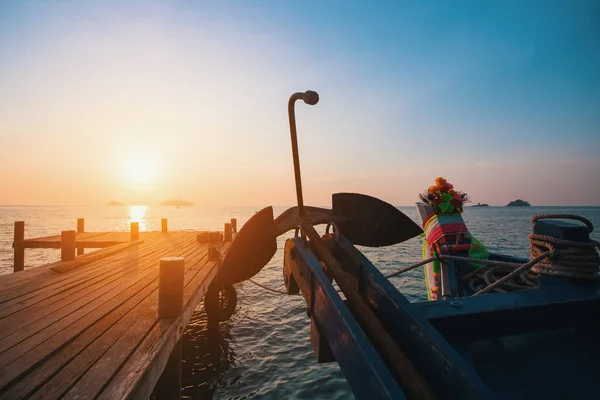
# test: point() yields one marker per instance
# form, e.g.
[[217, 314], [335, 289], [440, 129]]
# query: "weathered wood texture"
[[80, 229], [93, 330], [19, 247], [68, 244], [91, 240]]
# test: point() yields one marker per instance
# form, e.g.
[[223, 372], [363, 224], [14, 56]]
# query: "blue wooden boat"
[[535, 337], [533, 342], [496, 327]]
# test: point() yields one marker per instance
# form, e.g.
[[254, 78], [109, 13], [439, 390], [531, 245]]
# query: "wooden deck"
[[89, 328], [94, 240]]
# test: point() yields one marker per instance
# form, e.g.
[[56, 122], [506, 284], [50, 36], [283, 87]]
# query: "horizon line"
[[249, 206]]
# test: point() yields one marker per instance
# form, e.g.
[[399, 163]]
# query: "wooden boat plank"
[[332, 319], [115, 269], [80, 318], [436, 359], [555, 364], [78, 356], [498, 314]]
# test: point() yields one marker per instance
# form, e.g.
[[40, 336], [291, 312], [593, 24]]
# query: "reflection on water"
[[212, 356], [139, 214], [206, 357]]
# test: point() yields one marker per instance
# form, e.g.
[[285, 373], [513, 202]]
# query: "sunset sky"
[[146, 101]]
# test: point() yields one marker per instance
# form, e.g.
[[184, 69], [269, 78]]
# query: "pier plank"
[[52, 277], [25, 277], [72, 318], [86, 331], [115, 270], [56, 387], [135, 378], [86, 239], [71, 284], [106, 367]]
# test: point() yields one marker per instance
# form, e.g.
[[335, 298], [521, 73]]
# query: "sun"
[[139, 170]]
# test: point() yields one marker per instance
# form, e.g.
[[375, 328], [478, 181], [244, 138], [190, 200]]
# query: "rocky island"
[[114, 203], [178, 203], [518, 203]]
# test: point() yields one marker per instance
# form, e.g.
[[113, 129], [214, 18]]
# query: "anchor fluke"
[[251, 249], [369, 221]]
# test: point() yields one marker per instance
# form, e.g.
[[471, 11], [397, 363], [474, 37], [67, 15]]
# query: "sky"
[[144, 101]]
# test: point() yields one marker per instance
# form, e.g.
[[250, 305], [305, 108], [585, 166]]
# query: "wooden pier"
[[105, 324]]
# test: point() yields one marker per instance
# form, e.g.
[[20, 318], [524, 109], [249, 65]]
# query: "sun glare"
[[139, 170]]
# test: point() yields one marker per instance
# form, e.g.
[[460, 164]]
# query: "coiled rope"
[[567, 258]]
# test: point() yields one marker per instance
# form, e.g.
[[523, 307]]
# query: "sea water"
[[263, 351]]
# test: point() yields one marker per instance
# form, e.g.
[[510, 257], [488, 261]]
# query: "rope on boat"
[[520, 271], [403, 270], [570, 259], [488, 274], [268, 288], [549, 255]]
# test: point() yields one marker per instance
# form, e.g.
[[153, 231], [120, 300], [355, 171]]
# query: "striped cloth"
[[438, 227]]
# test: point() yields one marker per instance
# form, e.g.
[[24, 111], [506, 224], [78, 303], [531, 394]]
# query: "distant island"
[[518, 203], [178, 203], [480, 205], [114, 203]]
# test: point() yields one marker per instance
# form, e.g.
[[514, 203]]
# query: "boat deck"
[[89, 328]]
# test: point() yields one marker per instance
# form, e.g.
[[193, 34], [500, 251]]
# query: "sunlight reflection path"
[[139, 214]]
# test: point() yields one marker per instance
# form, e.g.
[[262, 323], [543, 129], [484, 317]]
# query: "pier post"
[[170, 287], [19, 247], [80, 229], [135, 231], [168, 386], [170, 305], [227, 233], [67, 245], [164, 225], [234, 224]]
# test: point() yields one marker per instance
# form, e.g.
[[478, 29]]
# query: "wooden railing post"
[[170, 305], [19, 246], [80, 229], [164, 227], [135, 231], [170, 287], [227, 233], [168, 386], [234, 225], [67, 245]]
